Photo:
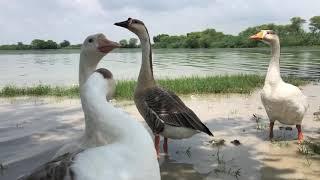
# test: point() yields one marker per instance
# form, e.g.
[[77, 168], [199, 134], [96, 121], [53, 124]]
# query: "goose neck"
[[87, 66], [101, 124], [146, 78], [273, 74]]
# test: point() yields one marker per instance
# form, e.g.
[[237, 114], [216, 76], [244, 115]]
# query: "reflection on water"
[[172, 170], [60, 67]]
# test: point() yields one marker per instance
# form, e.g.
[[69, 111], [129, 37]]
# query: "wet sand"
[[32, 129]]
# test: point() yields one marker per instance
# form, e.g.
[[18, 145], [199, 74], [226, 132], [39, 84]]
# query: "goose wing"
[[59, 168], [164, 107]]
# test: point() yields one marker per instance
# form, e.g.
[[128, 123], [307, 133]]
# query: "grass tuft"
[[39, 90], [243, 84]]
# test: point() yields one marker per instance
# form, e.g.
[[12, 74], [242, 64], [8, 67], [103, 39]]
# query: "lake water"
[[60, 67]]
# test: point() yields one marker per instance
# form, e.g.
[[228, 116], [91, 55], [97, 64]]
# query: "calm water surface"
[[60, 67]]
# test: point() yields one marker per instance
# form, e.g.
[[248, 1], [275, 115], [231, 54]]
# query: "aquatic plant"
[[260, 125], [280, 143], [309, 146], [316, 115], [223, 168]]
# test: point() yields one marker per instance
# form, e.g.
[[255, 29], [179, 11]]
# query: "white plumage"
[[129, 153], [282, 101], [114, 145]]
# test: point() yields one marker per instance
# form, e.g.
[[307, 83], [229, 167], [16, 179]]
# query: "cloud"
[[75, 19]]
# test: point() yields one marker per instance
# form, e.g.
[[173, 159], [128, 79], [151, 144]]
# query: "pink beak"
[[105, 45]]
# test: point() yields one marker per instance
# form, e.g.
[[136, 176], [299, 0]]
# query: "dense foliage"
[[291, 34], [64, 43], [37, 44], [133, 43]]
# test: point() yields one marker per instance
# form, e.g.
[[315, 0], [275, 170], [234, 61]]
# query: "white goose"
[[93, 49], [282, 101], [121, 149]]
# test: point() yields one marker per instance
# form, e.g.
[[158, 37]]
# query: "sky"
[[73, 20]]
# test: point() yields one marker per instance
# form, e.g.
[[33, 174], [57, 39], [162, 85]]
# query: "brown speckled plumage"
[[57, 169]]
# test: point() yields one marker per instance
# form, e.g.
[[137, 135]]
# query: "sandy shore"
[[32, 129]]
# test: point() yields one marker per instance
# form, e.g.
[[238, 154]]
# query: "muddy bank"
[[31, 130]]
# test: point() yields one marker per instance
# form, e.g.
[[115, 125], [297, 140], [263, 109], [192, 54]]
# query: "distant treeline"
[[132, 43], [40, 44], [291, 34]]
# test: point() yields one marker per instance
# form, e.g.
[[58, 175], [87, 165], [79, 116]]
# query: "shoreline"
[[36, 126], [258, 47], [224, 84]]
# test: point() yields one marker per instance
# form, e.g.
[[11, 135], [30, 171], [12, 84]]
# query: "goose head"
[[266, 36], [136, 26], [93, 49], [98, 45]]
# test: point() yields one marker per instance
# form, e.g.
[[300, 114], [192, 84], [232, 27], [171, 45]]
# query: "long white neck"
[[273, 74], [146, 78], [87, 66], [104, 123]]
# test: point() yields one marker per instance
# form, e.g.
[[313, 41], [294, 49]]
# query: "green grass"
[[39, 90], [243, 84], [310, 146]]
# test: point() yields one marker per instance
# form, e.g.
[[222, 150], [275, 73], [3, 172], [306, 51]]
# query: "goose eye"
[[90, 40]]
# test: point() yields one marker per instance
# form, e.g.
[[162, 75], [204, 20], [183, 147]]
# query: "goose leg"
[[157, 144], [300, 135], [271, 130], [165, 145]]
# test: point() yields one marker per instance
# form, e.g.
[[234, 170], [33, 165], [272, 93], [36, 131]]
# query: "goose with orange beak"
[[106, 149], [282, 101]]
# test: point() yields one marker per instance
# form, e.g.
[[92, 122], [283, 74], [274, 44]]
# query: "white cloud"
[[22, 20]]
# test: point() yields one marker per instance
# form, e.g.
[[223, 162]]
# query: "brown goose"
[[163, 111]]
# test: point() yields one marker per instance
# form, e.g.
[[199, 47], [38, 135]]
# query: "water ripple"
[[61, 67]]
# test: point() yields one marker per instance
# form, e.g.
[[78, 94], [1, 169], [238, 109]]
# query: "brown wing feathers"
[[167, 108]]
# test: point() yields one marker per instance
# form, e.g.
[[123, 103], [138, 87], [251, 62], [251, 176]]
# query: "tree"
[[159, 37], [133, 43], [123, 43], [296, 24], [38, 44], [41, 44], [314, 24], [64, 43], [20, 46], [51, 45]]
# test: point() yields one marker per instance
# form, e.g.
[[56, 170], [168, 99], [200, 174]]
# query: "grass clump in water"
[[184, 85], [310, 146]]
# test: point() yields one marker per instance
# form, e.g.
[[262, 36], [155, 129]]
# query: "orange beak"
[[105, 45], [258, 36]]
